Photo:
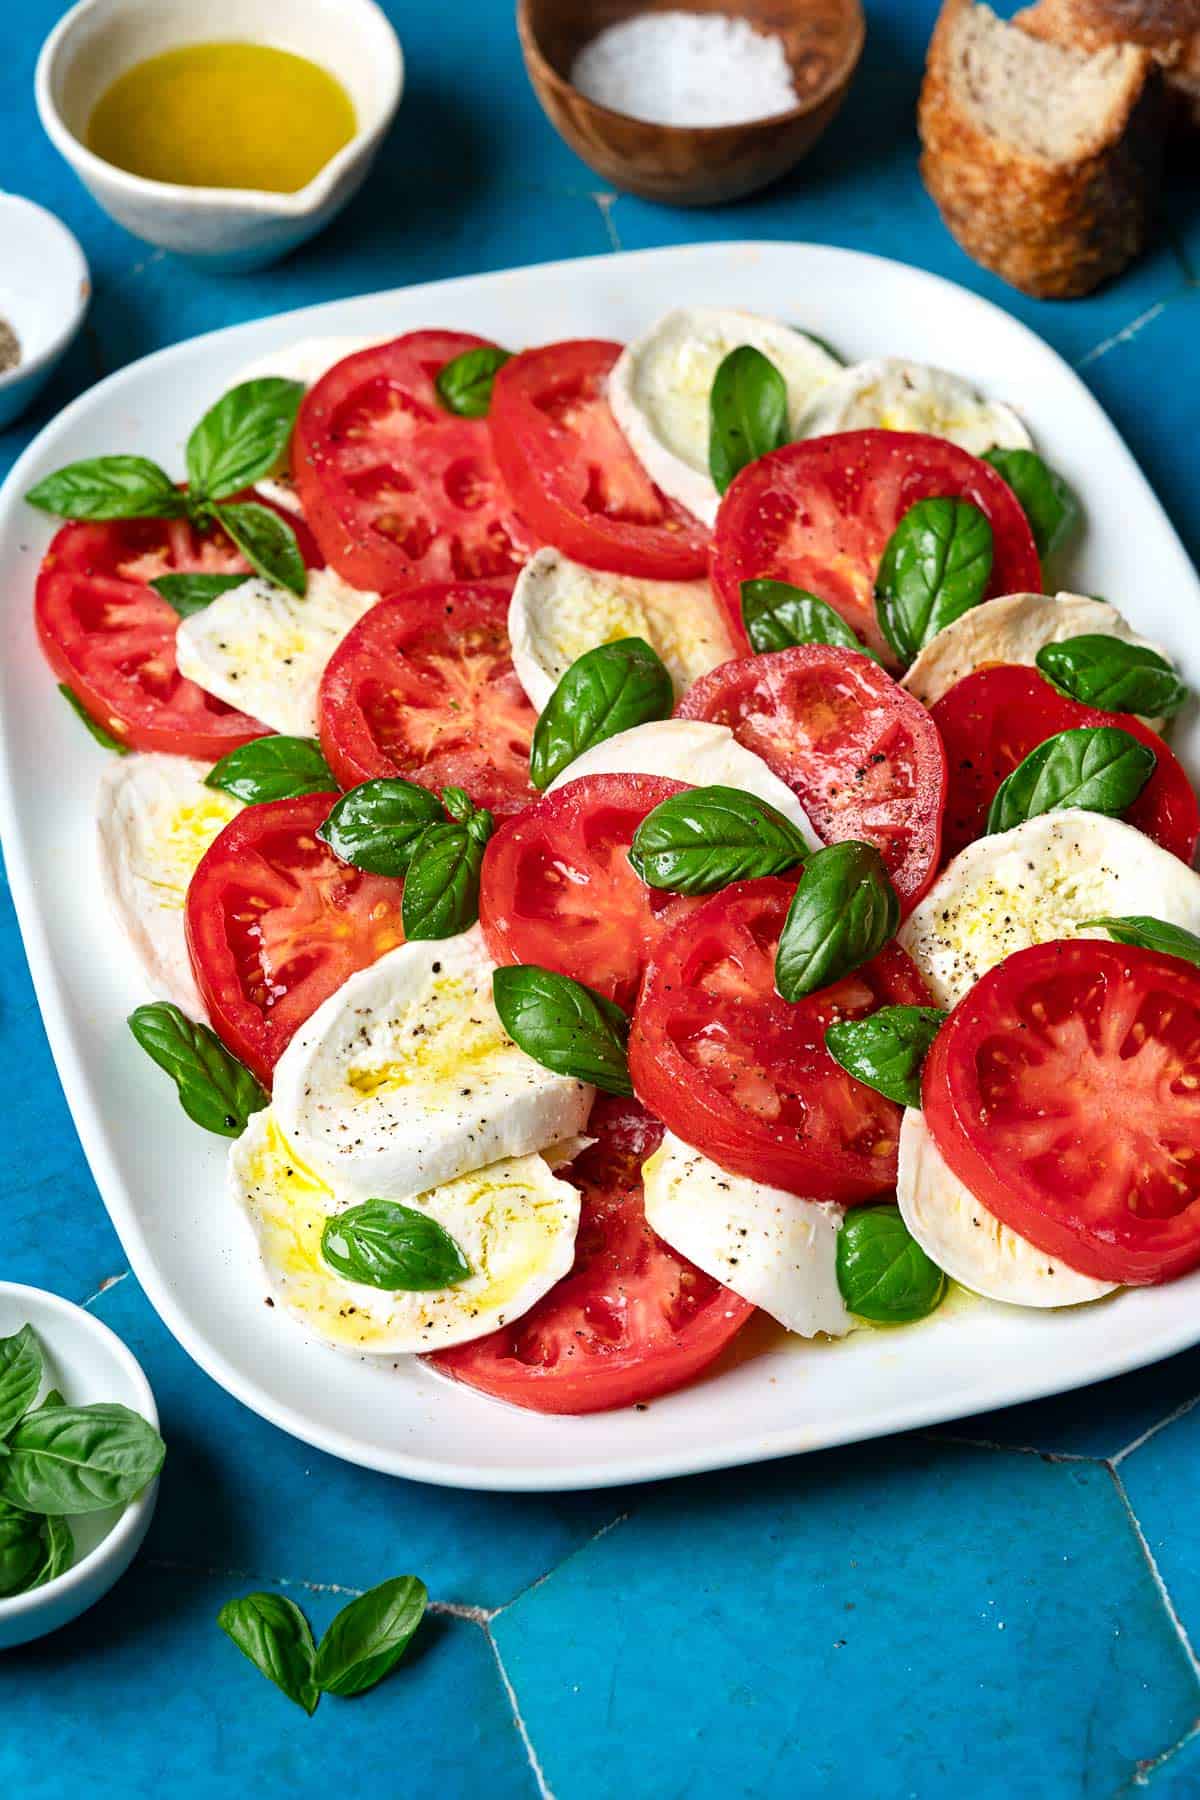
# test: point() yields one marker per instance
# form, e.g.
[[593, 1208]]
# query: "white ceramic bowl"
[[44, 292], [88, 1363], [226, 228]]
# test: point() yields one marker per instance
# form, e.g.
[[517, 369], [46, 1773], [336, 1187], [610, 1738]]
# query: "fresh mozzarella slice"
[[689, 750], [514, 1222], [264, 650], [1038, 882], [405, 1078], [560, 609], [305, 361], [968, 1241], [660, 386], [908, 396], [767, 1246], [155, 819]]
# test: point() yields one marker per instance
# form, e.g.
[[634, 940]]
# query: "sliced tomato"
[[861, 755], [1064, 1091], [631, 1320], [276, 923], [423, 686], [743, 1075], [397, 488], [819, 514], [573, 476], [991, 720], [558, 889]]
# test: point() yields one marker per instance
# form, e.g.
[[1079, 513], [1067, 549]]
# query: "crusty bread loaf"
[[1043, 160], [1170, 28]]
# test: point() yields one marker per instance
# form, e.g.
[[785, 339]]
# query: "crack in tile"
[[1126, 334], [109, 1281], [1050, 1456], [1180, 1412], [1148, 1766], [454, 1609], [606, 202], [532, 1586], [531, 1754], [1160, 1584]]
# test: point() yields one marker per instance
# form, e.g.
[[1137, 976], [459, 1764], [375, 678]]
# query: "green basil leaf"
[[266, 541], [842, 914], [377, 825], [705, 838], [79, 1459], [564, 1025], [243, 437], [882, 1271], [441, 888], [1046, 499], [367, 1638], [215, 1089], [53, 1398], [399, 1248], [190, 594], [1145, 933], [104, 738], [1097, 767], [20, 1376], [273, 768], [822, 344], [109, 487], [1111, 674], [748, 413], [778, 616], [277, 1638], [59, 1542], [458, 803], [607, 690], [887, 1049], [936, 566], [464, 385], [23, 1550]]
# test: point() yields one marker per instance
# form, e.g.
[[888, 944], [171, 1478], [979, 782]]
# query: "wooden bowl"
[[693, 165]]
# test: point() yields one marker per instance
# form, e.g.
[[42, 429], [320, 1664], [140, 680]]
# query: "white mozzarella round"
[[405, 1078], [560, 609], [659, 391], [1039, 882], [514, 1222], [892, 395], [769, 1247], [304, 361], [155, 819], [968, 1241], [264, 650]]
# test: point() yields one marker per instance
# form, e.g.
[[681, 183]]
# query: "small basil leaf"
[[887, 1050], [266, 541], [59, 1543], [215, 1089], [607, 690], [1046, 500], [464, 385], [190, 594], [882, 1271], [79, 1459], [441, 889], [277, 1638], [936, 566], [273, 768], [22, 1550], [243, 437], [53, 1398], [367, 1638], [842, 914], [564, 1026], [778, 616], [104, 738], [376, 825], [109, 487], [748, 413], [1145, 933], [385, 1245], [1111, 674], [1097, 767], [20, 1376], [458, 804], [705, 838]]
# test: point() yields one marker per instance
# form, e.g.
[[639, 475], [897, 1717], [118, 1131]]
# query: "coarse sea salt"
[[681, 68]]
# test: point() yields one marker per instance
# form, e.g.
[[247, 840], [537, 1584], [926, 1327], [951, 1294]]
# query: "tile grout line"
[[1051, 1456], [1126, 334], [109, 1281], [1160, 1584], [538, 1581], [1180, 1412], [606, 202], [531, 1754]]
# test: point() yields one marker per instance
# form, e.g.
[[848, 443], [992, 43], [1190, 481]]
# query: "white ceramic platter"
[[161, 1178]]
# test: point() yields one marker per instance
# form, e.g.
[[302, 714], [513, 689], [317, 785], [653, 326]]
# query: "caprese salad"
[[622, 837]]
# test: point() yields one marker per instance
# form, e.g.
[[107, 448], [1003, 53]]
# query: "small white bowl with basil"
[[79, 1460]]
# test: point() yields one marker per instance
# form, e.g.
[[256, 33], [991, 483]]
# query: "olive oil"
[[223, 115]]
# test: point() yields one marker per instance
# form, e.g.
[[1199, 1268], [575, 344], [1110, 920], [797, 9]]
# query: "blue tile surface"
[[916, 1618]]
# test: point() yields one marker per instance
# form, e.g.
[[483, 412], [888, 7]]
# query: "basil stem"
[[398, 1248], [215, 1089], [190, 594], [564, 1026], [266, 541], [441, 888], [1046, 499], [464, 385], [66, 1460], [377, 825], [936, 566], [369, 1636], [20, 1376], [1145, 933], [1096, 767], [705, 838], [882, 1272], [109, 487], [607, 690], [1109, 673], [273, 768], [748, 413], [886, 1051], [104, 738], [242, 438], [275, 1636], [778, 616], [842, 914]]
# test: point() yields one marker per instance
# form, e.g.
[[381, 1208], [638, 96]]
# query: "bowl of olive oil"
[[230, 132]]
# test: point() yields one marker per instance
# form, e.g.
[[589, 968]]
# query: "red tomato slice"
[[631, 1320], [743, 1075], [276, 923], [558, 889], [398, 489], [111, 638], [819, 514], [573, 476], [423, 687], [1064, 1091], [991, 720], [861, 755]]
